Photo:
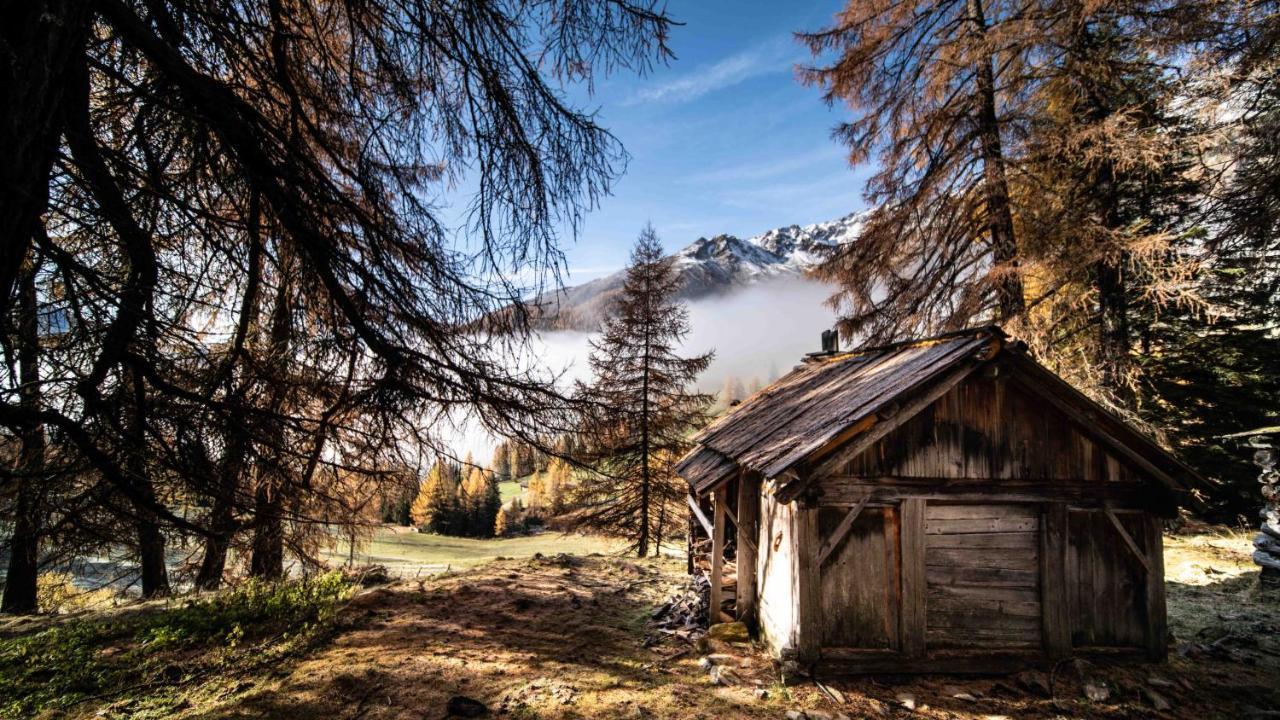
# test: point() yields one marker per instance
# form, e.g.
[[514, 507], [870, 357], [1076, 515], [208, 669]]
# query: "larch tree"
[[933, 89], [642, 405], [257, 303]]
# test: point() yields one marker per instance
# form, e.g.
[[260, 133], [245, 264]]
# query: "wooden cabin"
[[946, 505]]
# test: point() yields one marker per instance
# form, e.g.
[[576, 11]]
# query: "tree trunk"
[[155, 574], [221, 529], [151, 541], [1113, 326], [995, 184], [41, 38], [24, 546], [231, 468], [268, 536]]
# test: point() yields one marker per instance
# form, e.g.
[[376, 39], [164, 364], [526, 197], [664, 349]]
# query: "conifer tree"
[[502, 463], [643, 407], [509, 519], [733, 391], [436, 507], [923, 79]]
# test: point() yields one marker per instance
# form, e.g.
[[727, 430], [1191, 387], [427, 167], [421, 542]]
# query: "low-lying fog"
[[760, 331]]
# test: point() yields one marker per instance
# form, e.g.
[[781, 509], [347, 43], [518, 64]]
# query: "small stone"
[[760, 693], [796, 715], [907, 700], [842, 716], [720, 676], [463, 706], [1156, 699], [1097, 691], [965, 696], [1033, 681], [705, 662], [733, 632], [817, 715]]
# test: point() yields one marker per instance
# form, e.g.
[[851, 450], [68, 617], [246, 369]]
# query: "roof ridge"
[[976, 330]]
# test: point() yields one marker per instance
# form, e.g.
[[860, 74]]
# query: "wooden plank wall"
[[1106, 586], [982, 574], [776, 568], [990, 428], [859, 583]]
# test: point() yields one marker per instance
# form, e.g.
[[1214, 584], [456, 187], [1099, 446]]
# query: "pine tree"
[[539, 498], [643, 408]]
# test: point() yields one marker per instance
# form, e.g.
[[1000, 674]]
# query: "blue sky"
[[723, 139]]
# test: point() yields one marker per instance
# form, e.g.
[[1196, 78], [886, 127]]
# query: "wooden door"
[[982, 576], [860, 587]]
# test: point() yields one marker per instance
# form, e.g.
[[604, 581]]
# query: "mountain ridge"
[[706, 266]]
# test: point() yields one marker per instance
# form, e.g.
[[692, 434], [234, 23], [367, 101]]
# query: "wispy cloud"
[[835, 190], [777, 55], [764, 170]]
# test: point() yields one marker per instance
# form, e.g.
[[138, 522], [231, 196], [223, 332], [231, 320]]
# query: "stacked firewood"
[[684, 614], [1267, 544]]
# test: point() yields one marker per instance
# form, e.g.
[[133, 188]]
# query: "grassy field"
[[511, 489], [402, 551]]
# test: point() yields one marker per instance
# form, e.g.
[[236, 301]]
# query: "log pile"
[[1267, 544], [684, 614]]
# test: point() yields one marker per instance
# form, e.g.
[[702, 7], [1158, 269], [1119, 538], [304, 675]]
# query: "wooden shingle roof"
[[832, 399], [810, 407]]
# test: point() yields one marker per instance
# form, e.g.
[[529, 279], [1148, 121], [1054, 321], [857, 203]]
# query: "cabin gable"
[[987, 431]]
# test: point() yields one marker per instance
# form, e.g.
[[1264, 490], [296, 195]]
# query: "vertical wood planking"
[[1157, 628], [893, 577], [808, 584], [913, 581], [1053, 584], [748, 536], [717, 557]]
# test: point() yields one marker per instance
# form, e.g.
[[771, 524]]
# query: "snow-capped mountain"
[[707, 266]]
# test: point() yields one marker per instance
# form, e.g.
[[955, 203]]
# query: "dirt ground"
[[564, 637]]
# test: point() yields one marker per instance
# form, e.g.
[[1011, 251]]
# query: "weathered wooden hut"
[[946, 505]]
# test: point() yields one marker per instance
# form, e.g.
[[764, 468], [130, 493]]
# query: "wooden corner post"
[[1157, 622], [808, 584], [748, 531], [717, 557], [1053, 582], [913, 578]]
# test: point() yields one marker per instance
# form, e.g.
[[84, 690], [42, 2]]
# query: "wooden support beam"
[[697, 512], [748, 529], [733, 518], [808, 585], [717, 555], [1128, 541], [912, 631], [841, 531], [1056, 620], [1157, 622]]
